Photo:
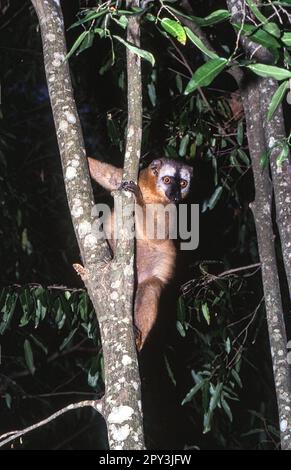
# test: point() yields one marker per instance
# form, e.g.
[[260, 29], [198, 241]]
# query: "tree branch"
[[12, 435], [262, 211], [69, 132], [109, 283], [274, 133]]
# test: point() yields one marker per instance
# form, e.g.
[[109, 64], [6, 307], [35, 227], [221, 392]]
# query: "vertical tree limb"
[[109, 283], [274, 132], [262, 134], [262, 211], [256, 117], [68, 129], [281, 174]]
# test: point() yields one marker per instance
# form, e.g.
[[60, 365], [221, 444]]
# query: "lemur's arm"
[[105, 174]]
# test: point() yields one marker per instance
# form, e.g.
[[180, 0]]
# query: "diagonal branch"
[[12, 435]]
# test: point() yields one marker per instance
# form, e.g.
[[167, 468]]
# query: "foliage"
[[221, 319]]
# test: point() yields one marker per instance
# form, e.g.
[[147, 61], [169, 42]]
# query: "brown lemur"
[[164, 181]]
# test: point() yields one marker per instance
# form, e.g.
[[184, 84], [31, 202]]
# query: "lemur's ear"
[[155, 166]]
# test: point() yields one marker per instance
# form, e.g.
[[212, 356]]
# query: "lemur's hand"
[[132, 187]]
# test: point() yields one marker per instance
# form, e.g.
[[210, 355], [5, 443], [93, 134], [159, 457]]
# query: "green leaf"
[[28, 355], [170, 371], [122, 21], [8, 311], [193, 150], [90, 16], [259, 36], [175, 29], [286, 39], [255, 10], [205, 74], [68, 339], [93, 377], [236, 377], [215, 198], [26, 302], [152, 93], [272, 71], [264, 159], [77, 44], [215, 17], [243, 156], [87, 42], [226, 408], [67, 294], [273, 29], [228, 345], [150, 17], [184, 145], [181, 329], [100, 31], [207, 422], [8, 400], [283, 155], [277, 99], [192, 392], [206, 314], [136, 50], [215, 397], [198, 43]]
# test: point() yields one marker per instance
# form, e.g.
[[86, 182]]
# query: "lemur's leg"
[[146, 307], [105, 174]]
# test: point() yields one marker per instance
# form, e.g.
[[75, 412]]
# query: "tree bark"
[[109, 282], [274, 133], [281, 174], [258, 133], [262, 211]]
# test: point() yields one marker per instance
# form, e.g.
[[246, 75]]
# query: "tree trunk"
[[109, 282], [259, 132], [262, 211]]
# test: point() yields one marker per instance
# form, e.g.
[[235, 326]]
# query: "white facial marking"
[[167, 170], [185, 174]]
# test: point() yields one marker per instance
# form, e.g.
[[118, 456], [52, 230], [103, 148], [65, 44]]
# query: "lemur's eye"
[[167, 180], [183, 183]]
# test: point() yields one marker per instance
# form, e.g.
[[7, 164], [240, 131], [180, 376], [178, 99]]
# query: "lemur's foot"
[[80, 270], [130, 186], [133, 188]]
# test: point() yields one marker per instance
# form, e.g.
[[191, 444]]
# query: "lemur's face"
[[173, 178]]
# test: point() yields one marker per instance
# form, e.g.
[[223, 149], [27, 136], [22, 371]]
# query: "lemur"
[[164, 181]]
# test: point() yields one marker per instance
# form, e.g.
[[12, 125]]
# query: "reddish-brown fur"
[[155, 259]]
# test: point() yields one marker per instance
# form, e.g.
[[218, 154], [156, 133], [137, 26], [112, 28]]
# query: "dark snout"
[[174, 194]]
